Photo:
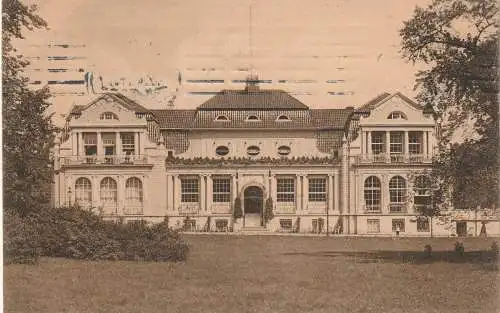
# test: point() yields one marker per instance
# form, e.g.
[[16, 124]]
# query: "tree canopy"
[[28, 132], [457, 40]]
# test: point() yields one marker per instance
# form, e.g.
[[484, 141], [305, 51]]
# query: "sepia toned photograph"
[[261, 156]]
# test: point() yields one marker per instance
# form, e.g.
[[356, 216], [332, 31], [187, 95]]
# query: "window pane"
[[221, 190], [317, 189], [189, 190], [285, 190]]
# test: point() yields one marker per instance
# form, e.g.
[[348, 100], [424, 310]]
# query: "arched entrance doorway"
[[253, 204]]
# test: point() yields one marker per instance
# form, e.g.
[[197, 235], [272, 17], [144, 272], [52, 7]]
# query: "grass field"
[[268, 274]]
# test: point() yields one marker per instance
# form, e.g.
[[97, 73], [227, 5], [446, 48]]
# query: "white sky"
[[352, 40]]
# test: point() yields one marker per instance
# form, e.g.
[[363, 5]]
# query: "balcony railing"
[[102, 159], [132, 210], [395, 158], [372, 209], [285, 208], [397, 208], [188, 208], [221, 208]]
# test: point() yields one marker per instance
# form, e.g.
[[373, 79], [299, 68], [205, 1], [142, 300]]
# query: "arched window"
[[253, 118], [222, 118], [133, 191], [109, 192], [373, 192], [108, 116], [397, 190], [83, 192], [283, 117], [396, 115]]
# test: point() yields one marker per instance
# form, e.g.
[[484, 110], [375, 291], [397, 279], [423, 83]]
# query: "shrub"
[[494, 248], [321, 224], [19, 239], [428, 251], [237, 211], [79, 234], [268, 213], [459, 248]]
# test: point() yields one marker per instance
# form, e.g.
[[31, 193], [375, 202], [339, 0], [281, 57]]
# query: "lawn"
[[267, 274]]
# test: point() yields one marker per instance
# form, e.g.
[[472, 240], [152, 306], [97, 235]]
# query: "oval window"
[[222, 150], [253, 150], [284, 150]]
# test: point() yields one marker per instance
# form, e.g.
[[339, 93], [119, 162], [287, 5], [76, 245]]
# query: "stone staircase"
[[252, 224]]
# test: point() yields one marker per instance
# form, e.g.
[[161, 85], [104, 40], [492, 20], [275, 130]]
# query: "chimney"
[[252, 83]]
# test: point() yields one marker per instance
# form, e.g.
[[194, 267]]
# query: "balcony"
[[395, 158], [285, 208], [221, 208], [397, 208], [189, 208], [77, 160], [372, 209]]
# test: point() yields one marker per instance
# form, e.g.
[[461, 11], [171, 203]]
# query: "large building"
[[351, 171]]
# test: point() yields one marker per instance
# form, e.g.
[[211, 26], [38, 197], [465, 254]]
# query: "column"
[[234, 189], [118, 144], [203, 193], [177, 192], [424, 143], [363, 143], [136, 143], [209, 193], [330, 192], [167, 190], [305, 192], [99, 144], [95, 190], [336, 192], [407, 145], [73, 143], [384, 201], [273, 190], [141, 142], [120, 193], [387, 144], [79, 150], [145, 196], [298, 192], [369, 143]]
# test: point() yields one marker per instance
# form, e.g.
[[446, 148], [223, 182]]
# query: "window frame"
[[372, 192], [221, 190], [134, 194], [398, 192], [370, 222], [393, 144], [83, 191], [190, 190], [317, 189], [285, 189], [415, 142], [108, 115], [377, 144], [401, 222], [108, 191]]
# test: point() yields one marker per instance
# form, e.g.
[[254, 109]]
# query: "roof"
[[118, 97], [174, 119], [260, 99], [372, 104], [237, 119]]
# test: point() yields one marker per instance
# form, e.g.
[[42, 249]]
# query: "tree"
[[237, 211], [457, 41], [268, 210], [28, 132]]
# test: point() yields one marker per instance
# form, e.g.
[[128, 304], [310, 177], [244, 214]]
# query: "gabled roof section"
[[117, 97], [174, 119], [384, 97], [260, 99], [331, 118]]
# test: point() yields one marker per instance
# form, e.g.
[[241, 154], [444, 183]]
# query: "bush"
[[237, 211], [494, 248], [79, 234], [459, 248], [19, 241], [428, 251]]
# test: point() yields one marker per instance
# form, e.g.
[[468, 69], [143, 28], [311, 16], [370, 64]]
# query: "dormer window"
[[222, 118], [396, 115], [283, 118], [253, 118], [108, 116]]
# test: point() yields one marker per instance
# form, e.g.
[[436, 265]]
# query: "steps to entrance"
[[251, 229]]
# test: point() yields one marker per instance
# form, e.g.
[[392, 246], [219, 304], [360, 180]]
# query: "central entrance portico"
[[253, 204]]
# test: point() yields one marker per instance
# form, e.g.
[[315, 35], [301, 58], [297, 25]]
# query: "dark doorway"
[[461, 229], [253, 202]]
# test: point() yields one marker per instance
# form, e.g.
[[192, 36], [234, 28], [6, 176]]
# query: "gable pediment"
[[397, 110], [107, 111]]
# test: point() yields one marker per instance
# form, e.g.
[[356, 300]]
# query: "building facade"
[[351, 171]]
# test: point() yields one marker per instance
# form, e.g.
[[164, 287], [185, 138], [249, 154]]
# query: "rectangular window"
[[221, 190], [423, 224], [373, 226], [90, 143], [317, 189], [190, 191], [285, 190], [285, 224], [396, 142], [128, 144], [415, 142], [398, 224], [377, 142]]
